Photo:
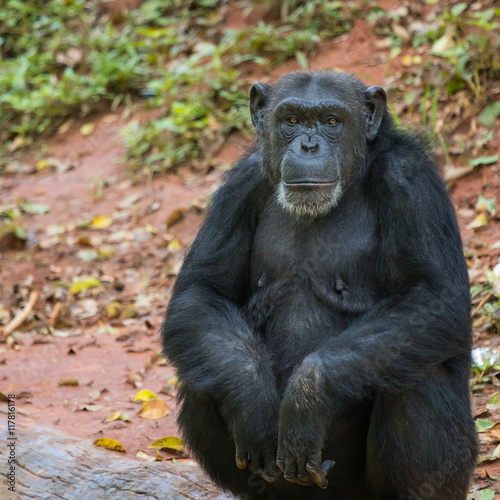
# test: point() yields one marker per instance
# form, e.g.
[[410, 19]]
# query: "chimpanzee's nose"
[[310, 146]]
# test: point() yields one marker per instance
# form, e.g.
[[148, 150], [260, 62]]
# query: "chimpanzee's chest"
[[311, 279]]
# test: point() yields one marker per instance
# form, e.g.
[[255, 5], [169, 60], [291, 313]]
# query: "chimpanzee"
[[320, 324]]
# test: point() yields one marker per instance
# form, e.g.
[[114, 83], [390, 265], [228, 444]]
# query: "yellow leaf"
[[172, 381], [173, 443], [83, 283], [151, 229], [70, 382], [110, 444], [116, 415], [101, 222], [479, 221], [145, 395], [407, 61], [153, 409], [105, 252], [129, 311], [174, 245], [481, 206], [87, 129], [113, 309], [43, 164]]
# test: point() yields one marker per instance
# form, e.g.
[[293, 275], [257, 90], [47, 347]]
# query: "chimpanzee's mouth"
[[309, 184]]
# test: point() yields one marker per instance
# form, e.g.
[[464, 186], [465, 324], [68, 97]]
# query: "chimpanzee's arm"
[[205, 335], [424, 319]]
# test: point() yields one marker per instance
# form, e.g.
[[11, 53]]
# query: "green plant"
[[60, 58], [468, 42], [203, 103], [10, 215], [267, 44], [64, 57], [483, 372], [203, 94]]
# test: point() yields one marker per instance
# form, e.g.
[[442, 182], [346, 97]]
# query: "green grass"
[[67, 58]]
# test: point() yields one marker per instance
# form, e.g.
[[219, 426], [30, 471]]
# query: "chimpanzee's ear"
[[259, 94], [376, 102]]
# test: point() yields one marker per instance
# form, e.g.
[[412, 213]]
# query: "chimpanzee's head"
[[314, 128]]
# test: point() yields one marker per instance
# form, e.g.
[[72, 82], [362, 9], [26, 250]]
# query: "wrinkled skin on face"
[[314, 135]]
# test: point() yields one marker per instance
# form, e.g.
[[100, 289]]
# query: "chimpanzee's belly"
[[307, 284], [295, 316]]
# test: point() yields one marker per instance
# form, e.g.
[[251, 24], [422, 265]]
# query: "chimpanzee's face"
[[315, 135]]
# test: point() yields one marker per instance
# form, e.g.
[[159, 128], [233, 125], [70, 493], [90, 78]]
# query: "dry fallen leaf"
[[170, 442], [145, 395], [134, 379], [101, 222], [480, 221], [170, 387], [128, 311], [117, 416], [174, 245], [87, 129], [153, 409], [18, 167], [83, 283], [175, 217], [113, 309], [84, 308], [54, 163], [112, 418], [110, 444], [72, 57], [65, 126], [18, 142], [70, 382], [149, 458], [454, 173]]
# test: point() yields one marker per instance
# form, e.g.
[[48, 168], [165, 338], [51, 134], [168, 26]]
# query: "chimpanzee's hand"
[[299, 456], [255, 436], [302, 428]]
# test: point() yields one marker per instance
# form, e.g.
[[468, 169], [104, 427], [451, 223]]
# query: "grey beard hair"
[[300, 205]]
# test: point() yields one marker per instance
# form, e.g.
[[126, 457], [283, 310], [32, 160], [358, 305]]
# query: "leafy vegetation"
[[58, 59], [65, 58], [452, 64], [203, 94], [62, 58]]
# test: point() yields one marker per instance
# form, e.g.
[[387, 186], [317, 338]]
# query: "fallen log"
[[50, 464]]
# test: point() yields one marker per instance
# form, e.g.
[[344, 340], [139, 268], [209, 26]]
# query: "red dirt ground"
[[107, 356]]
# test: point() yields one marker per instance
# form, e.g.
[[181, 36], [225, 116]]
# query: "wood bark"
[[52, 465]]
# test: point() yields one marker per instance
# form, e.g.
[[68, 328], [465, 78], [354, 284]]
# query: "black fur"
[[341, 337]]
